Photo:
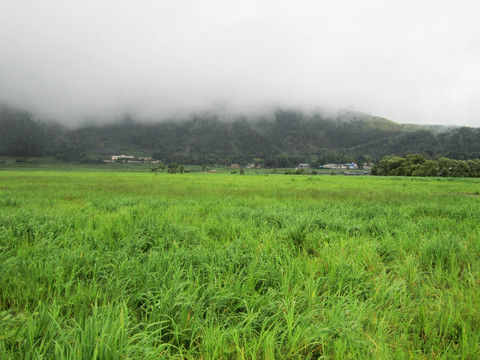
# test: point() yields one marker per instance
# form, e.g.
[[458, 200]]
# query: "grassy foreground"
[[216, 266]]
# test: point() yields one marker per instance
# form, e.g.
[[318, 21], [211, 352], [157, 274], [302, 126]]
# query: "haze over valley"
[[407, 61]]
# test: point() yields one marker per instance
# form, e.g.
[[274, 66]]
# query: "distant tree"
[[428, 168], [444, 166], [415, 159], [257, 161], [390, 165], [172, 168], [459, 169], [417, 165], [360, 160]]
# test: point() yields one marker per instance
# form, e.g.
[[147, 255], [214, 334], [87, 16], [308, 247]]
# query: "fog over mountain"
[[408, 61]]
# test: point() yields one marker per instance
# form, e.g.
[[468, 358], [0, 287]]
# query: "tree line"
[[417, 165]]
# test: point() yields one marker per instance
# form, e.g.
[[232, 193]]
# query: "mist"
[[410, 62]]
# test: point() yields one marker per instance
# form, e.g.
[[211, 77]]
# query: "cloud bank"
[[409, 61]]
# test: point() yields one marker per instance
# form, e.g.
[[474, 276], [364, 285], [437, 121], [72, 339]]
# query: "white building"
[[121, 157]]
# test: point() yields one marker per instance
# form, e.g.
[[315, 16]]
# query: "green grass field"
[[117, 265]]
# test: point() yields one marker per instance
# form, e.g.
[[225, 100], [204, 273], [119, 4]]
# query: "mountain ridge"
[[285, 138]]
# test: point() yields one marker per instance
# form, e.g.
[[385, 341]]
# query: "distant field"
[[139, 265], [44, 164]]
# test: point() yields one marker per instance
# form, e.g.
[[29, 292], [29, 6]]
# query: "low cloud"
[[408, 61]]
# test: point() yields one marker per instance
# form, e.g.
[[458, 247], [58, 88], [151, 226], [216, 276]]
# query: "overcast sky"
[[409, 61]]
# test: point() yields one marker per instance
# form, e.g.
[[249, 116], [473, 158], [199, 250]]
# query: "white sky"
[[409, 61]]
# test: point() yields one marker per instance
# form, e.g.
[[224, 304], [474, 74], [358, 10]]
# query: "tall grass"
[[117, 265]]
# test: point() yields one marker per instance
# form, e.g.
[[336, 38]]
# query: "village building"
[[122, 157], [350, 166]]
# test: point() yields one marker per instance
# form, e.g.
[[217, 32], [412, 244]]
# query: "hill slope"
[[286, 138]]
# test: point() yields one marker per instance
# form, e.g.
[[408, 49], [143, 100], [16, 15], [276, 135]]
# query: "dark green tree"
[[172, 168]]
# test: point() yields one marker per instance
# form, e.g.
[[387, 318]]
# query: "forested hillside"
[[283, 139]]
